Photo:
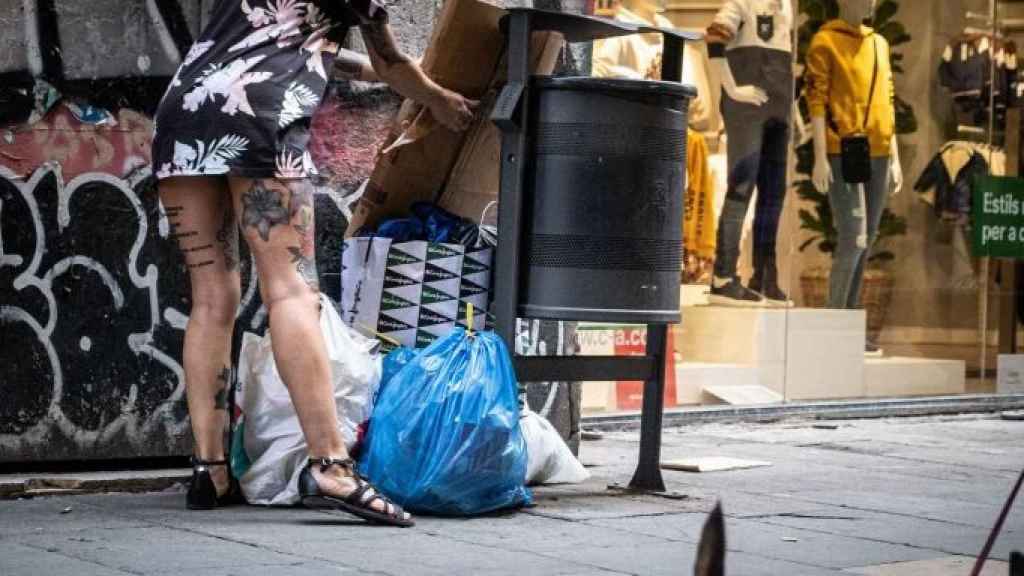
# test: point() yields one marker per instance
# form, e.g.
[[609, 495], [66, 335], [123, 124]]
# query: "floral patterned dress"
[[242, 100]]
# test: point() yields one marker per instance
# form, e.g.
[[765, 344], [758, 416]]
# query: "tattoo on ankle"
[[220, 399], [263, 208]]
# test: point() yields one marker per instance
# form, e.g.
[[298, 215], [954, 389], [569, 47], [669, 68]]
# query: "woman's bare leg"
[[277, 222], [203, 221]]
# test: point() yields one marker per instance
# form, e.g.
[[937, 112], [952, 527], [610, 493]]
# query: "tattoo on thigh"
[[263, 208], [300, 207], [227, 236], [220, 399], [174, 220], [305, 266]]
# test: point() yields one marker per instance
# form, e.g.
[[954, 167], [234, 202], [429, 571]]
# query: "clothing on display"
[[638, 57], [759, 53], [946, 183], [857, 210], [850, 86], [757, 159], [966, 71], [699, 217], [840, 64]]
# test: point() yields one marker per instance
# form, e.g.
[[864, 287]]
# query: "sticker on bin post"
[[998, 217]]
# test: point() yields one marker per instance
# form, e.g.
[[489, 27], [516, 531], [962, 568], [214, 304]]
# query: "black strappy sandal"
[[202, 492], [358, 503]]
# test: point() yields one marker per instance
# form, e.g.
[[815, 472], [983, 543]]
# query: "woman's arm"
[[405, 76], [354, 66]]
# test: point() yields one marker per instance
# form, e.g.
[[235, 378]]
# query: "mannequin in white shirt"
[[750, 43]]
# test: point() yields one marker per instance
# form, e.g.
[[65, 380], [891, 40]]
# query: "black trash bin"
[[603, 196]]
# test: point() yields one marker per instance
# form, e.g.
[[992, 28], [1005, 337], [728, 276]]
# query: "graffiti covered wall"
[[93, 293]]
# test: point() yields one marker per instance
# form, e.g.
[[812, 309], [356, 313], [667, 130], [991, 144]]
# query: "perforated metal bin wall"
[[604, 200]]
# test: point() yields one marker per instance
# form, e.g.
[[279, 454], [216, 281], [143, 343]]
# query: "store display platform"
[[914, 377], [761, 356], [799, 353]]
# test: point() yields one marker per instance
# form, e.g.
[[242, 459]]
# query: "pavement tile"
[[152, 549], [948, 566], [418, 553], [46, 515], [684, 528], [814, 548], [929, 504], [939, 536], [615, 505], [744, 564], [304, 568], [20, 560]]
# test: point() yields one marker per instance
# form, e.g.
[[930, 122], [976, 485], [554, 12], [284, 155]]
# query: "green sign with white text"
[[998, 217]]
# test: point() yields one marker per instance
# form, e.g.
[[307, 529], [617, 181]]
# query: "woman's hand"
[[452, 110], [404, 75]]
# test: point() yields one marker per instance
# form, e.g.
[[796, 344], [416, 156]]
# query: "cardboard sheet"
[[465, 55]]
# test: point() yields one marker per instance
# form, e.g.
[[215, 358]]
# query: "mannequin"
[[636, 56], [750, 44], [841, 61]]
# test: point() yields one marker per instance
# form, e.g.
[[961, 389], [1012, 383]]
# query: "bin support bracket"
[[649, 368]]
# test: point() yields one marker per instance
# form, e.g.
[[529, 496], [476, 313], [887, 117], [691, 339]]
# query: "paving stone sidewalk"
[[899, 497]]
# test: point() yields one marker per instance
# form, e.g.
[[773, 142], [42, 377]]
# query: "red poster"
[[630, 393]]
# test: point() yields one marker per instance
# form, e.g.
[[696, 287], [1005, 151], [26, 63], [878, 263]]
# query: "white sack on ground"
[[273, 438], [549, 459]]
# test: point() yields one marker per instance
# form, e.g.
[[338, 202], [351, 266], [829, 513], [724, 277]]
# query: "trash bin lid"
[[621, 85]]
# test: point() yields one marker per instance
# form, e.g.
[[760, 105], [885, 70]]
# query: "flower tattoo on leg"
[[263, 208]]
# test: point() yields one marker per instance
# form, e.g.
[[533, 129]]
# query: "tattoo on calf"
[[263, 208], [227, 236], [220, 399]]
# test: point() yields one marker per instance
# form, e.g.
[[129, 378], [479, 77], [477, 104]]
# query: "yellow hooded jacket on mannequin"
[[840, 62]]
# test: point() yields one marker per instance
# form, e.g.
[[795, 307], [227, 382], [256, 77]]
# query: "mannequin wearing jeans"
[[843, 59], [750, 43]]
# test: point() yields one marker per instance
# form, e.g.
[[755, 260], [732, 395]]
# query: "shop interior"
[[932, 318]]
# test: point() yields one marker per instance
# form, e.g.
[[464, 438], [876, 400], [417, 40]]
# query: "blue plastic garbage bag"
[[392, 365], [402, 230], [444, 435]]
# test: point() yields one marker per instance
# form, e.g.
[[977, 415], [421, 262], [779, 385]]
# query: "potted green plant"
[[816, 218]]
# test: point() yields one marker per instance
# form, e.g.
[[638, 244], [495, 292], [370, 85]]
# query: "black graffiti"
[[94, 297]]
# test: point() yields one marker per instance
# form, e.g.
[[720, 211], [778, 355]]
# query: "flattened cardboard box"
[[476, 177], [465, 55]]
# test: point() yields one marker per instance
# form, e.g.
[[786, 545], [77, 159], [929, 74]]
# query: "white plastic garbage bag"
[[273, 440], [549, 459]]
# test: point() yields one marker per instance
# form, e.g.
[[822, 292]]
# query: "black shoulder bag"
[[855, 149]]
